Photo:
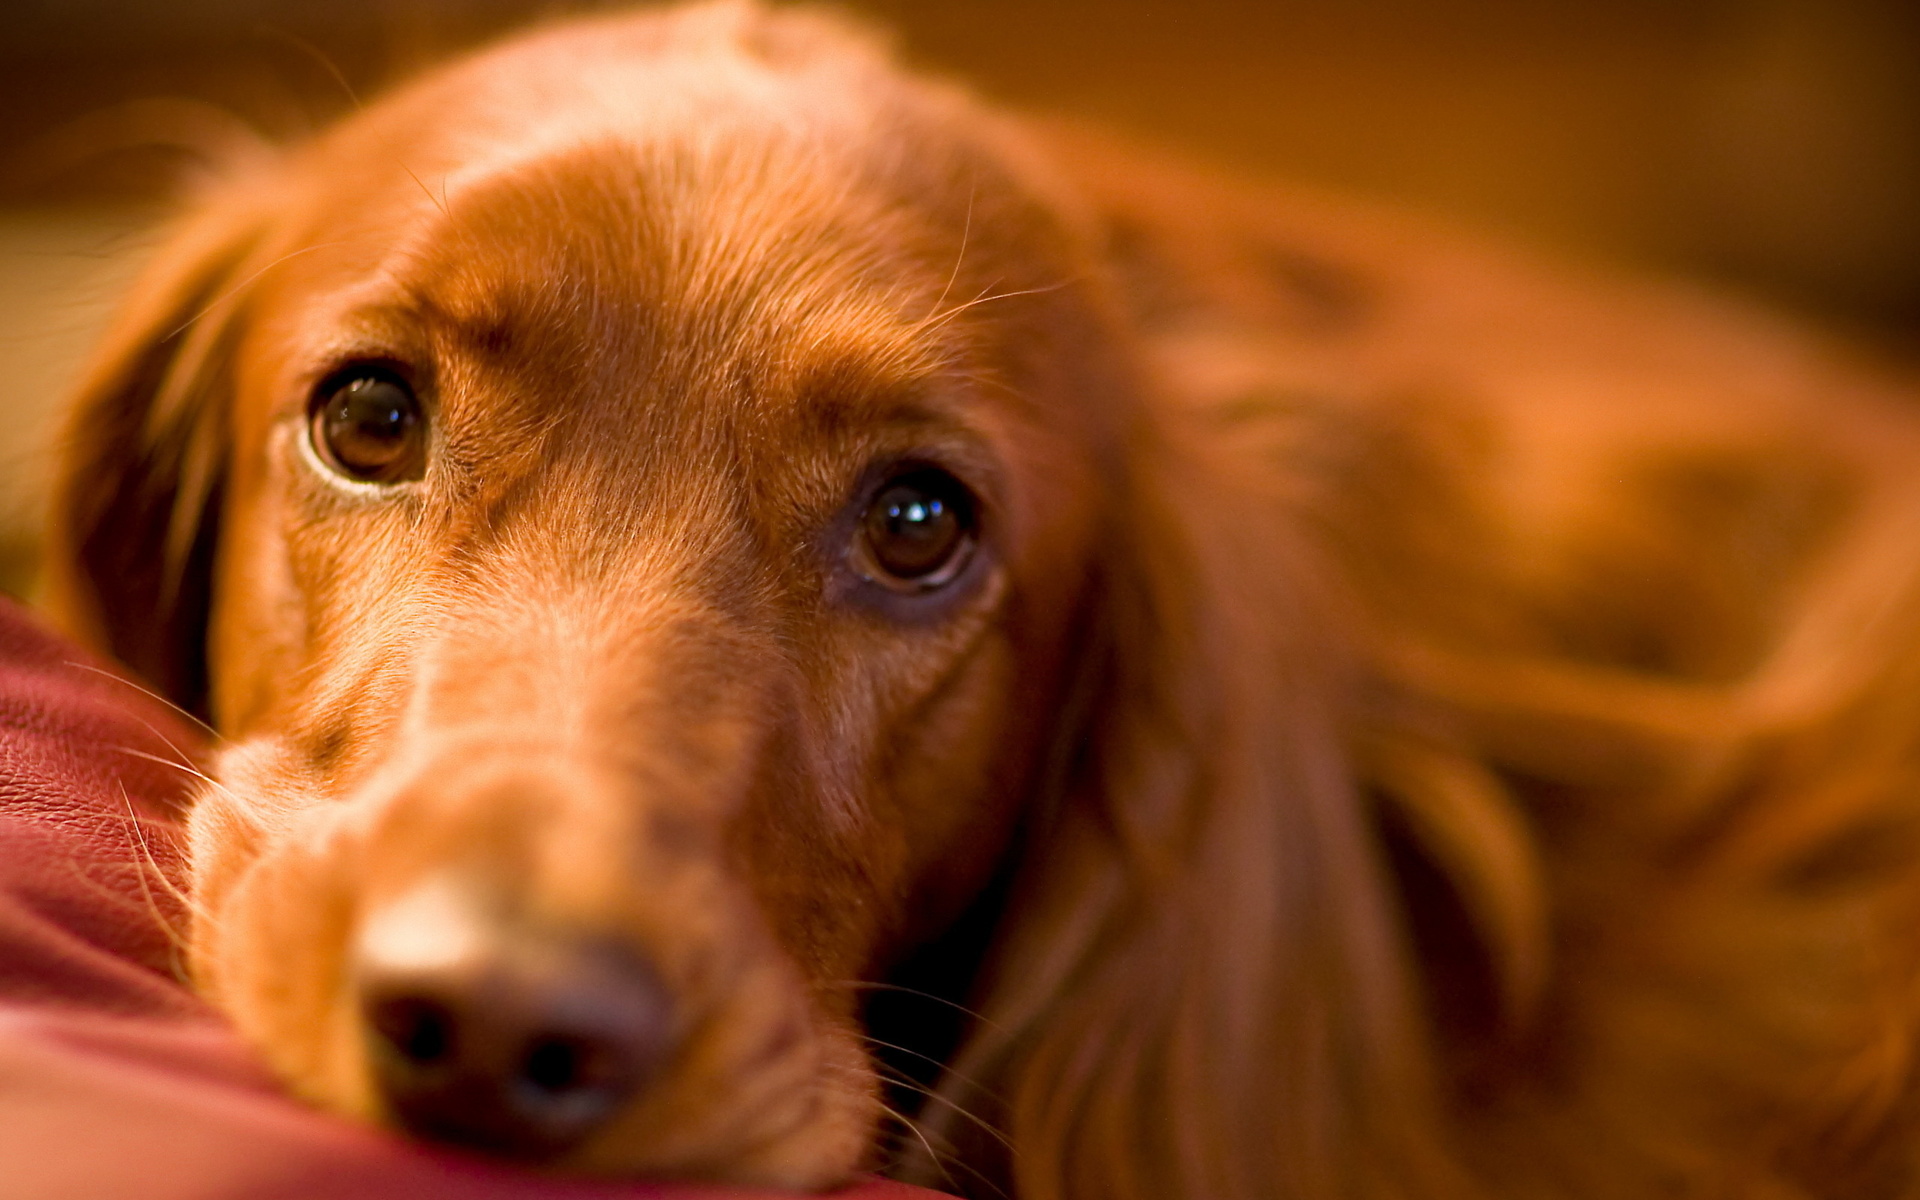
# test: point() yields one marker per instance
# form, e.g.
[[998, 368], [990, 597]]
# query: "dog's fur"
[[1418, 725]]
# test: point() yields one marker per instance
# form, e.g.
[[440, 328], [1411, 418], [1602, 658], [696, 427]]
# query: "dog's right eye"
[[367, 425]]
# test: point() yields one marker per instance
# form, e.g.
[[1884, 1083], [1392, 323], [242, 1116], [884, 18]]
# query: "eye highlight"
[[367, 424], [918, 531]]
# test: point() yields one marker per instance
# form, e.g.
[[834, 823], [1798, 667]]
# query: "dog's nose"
[[500, 1039]]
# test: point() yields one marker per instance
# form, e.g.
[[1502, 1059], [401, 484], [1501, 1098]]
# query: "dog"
[[742, 589]]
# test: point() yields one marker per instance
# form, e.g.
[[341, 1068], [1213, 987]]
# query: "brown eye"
[[918, 531], [367, 425]]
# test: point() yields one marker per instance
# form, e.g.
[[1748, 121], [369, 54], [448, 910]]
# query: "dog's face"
[[660, 471], [665, 521]]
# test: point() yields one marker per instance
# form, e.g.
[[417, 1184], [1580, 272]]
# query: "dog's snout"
[[502, 1038]]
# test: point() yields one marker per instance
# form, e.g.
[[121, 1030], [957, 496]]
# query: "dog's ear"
[[136, 498], [1203, 988]]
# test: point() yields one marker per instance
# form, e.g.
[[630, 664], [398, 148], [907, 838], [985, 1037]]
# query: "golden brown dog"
[[678, 521]]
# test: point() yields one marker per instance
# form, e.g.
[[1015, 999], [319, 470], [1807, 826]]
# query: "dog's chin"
[[765, 1088]]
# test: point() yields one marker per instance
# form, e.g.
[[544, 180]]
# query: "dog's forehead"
[[676, 250], [654, 206], [643, 296], [674, 73], [695, 93], [649, 277]]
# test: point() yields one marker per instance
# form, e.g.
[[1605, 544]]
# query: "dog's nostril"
[[558, 1065], [419, 1031], [525, 1050]]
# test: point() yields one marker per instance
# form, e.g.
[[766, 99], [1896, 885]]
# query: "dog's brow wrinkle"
[[331, 744]]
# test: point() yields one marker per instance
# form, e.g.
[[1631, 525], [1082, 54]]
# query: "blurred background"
[[1772, 146]]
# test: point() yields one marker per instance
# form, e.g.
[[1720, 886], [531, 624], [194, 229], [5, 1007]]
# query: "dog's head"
[[656, 511]]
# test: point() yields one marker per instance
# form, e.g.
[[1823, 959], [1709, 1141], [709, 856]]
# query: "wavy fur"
[[1463, 733]]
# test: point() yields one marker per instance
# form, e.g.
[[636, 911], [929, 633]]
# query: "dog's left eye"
[[917, 532], [367, 425]]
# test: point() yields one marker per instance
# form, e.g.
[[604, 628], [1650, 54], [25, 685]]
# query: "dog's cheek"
[[288, 928], [768, 1091], [833, 1111], [955, 776], [274, 911], [222, 842], [257, 625], [768, 1084], [229, 827]]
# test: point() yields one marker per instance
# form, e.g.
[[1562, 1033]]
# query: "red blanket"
[[114, 1080]]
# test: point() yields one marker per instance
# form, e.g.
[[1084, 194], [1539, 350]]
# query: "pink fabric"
[[115, 1080]]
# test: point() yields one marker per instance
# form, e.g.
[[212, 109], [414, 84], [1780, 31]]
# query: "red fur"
[[1449, 725]]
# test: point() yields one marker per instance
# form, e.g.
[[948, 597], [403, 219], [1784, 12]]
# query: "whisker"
[[176, 940], [182, 761], [144, 691], [82, 870], [894, 987], [928, 1058], [939, 1159], [184, 768], [934, 322], [178, 893], [223, 297], [314, 52], [966, 231], [440, 201], [911, 1085]]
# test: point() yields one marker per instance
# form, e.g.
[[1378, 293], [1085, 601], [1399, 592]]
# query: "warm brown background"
[[1773, 145]]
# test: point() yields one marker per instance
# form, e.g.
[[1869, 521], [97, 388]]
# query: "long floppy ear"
[[135, 506], [1204, 991]]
